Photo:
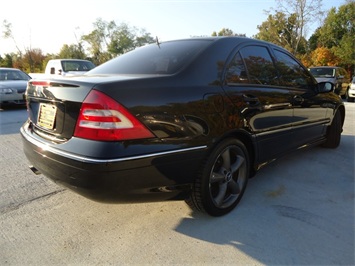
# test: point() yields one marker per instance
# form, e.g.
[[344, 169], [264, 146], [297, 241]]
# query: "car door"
[[309, 110], [265, 108]]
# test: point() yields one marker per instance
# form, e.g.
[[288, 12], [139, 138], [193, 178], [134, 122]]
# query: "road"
[[296, 211]]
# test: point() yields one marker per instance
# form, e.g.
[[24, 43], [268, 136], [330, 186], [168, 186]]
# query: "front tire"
[[222, 180], [334, 132]]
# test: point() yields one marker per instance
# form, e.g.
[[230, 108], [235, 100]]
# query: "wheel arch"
[[248, 140], [341, 109]]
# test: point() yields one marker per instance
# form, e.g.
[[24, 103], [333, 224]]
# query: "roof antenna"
[[157, 41]]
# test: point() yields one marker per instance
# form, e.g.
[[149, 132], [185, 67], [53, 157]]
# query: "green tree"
[[280, 29], [75, 51], [338, 34], [226, 32], [287, 27], [108, 40], [32, 60], [7, 61]]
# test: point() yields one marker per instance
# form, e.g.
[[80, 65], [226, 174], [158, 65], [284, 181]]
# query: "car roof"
[[9, 68]]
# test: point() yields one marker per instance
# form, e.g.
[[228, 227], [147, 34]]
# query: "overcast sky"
[[50, 24]]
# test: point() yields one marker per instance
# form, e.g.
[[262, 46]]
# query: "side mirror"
[[325, 87]]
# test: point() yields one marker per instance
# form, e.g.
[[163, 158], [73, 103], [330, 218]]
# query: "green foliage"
[[282, 30], [108, 40], [6, 61], [338, 35], [226, 32], [75, 51]]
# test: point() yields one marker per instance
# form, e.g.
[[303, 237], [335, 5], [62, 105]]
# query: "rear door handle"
[[251, 100], [298, 99]]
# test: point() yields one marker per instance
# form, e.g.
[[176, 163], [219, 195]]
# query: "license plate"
[[46, 115]]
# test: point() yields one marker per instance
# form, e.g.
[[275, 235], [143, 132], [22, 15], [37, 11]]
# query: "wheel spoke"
[[221, 194], [234, 187], [238, 163], [226, 159], [216, 177]]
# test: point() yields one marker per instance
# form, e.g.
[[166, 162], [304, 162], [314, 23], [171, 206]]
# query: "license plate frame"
[[46, 116]]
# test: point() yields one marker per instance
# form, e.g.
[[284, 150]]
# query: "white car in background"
[[351, 91]]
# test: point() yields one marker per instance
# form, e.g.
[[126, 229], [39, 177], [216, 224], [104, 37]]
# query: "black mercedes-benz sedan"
[[185, 120]]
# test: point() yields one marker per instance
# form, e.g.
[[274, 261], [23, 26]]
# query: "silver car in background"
[[336, 75], [13, 83]]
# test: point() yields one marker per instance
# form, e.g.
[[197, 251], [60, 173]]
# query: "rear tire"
[[334, 132], [222, 180]]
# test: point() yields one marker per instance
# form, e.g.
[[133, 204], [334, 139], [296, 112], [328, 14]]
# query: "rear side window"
[[164, 58], [236, 72], [292, 74], [260, 66]]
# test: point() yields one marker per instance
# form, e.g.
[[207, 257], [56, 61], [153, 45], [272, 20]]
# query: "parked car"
[[336, 75], [185, 120], [65, 67], [13, 83], [351, 91]]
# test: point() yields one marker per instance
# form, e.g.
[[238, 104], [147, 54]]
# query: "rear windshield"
[[323, 72], [163, 58], [72, 65]]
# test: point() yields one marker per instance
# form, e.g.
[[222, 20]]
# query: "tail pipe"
[[34, 170]]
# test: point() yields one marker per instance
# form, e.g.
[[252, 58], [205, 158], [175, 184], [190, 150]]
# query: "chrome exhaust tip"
[[34, 170]]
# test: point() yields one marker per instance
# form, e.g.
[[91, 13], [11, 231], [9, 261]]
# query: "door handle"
[[298, 99], [251, 100]]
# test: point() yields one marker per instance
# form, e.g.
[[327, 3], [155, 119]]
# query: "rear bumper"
[[155, 176]]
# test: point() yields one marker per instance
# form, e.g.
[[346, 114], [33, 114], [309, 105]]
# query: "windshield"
[[323, 72], [10, 74], [163, 58]]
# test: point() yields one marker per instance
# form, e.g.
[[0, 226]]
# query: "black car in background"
[[180, 120]]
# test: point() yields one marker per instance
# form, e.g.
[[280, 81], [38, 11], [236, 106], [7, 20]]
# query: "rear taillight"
[[102, 118]]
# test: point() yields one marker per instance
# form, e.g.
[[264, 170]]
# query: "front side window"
[[292, 74]]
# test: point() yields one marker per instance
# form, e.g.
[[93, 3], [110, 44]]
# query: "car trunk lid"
[[54, 105]]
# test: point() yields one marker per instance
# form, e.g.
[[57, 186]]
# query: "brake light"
[[102, 118]]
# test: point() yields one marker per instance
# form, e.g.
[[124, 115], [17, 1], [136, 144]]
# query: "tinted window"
[[165, 58], [260, 67], [236, 72], [292, 74]]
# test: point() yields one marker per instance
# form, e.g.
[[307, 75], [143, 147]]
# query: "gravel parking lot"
[[296, 211]]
